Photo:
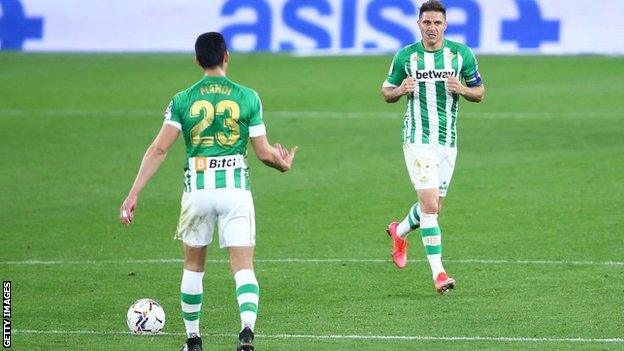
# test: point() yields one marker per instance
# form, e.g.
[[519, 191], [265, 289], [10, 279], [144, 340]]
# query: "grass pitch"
[[532, 227]]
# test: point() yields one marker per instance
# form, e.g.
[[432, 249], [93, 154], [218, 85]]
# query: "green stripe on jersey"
[[200, 180], [453, 122], [237, 178], [220, 179], [441, 99], [410, 103], [422, 97], [231, 178], [455, 63]]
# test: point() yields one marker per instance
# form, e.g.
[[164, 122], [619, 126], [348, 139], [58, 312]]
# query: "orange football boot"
[[399, 246], [443, 283]]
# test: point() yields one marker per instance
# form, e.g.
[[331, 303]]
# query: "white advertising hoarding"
[[316, 26]]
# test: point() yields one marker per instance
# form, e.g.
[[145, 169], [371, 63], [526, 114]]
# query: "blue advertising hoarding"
[[308, 26]]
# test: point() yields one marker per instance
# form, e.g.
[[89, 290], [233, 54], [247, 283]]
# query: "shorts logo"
[[423, 168]]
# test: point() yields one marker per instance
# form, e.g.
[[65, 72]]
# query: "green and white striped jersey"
[[431, 115], [216, 117]]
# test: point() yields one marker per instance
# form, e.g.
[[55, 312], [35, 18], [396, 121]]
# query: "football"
[[145, 316]]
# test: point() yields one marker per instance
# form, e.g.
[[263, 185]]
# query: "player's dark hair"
[[210, 49], [432, 5]]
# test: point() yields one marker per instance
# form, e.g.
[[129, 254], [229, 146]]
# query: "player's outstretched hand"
[[126, 212], [454, 86], [288, 156]]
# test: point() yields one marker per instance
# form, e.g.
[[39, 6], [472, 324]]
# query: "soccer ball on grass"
[[145, 316]]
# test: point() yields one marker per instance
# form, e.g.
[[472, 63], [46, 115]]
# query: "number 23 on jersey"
[[210, 111]]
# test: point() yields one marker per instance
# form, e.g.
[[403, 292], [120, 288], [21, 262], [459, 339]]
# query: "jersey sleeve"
[[396, 73], [470, 69], [172, 113], [256, 121]]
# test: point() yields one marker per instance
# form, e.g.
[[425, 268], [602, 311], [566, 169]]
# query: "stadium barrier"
[[309, 26]]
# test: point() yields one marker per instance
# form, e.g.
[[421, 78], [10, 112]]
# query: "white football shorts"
[[231, 209], [430, 166]]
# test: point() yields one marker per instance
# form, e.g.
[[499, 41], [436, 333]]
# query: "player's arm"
[[473, 90], [398, 82], [393, 93], [472, 94], [275, 156], [153, 158]]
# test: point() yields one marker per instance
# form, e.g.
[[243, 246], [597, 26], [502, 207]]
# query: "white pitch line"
[[352, 337], [470, 114], [318, 261], [312, 114], [78, 113]]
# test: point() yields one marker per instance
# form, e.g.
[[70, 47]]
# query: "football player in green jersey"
[[430, 72], [216, 118]]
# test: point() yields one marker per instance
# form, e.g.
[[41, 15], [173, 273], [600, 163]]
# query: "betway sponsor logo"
[[433, 75]]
